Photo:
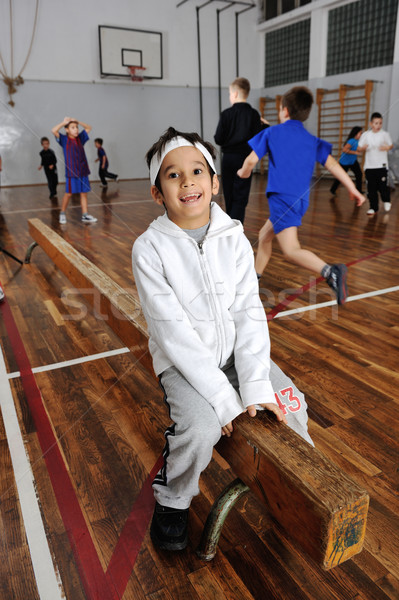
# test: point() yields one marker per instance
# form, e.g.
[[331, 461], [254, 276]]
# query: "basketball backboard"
[[121, 48]]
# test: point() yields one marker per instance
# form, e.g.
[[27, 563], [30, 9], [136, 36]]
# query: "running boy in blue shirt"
[[293, 152], [76, 167]]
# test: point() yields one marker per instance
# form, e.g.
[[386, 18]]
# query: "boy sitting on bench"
[[208, 333]]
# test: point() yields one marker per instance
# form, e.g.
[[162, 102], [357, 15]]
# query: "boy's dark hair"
[[169, 135], [44, 139], [99, 141], [376, 115], [353, 132], [241, 84], [70, 123], [298, 101]]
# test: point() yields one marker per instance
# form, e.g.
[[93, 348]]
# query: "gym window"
[[361, 35], [275, 8], [287, 54]]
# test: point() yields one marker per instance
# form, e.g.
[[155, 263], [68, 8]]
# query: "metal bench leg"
[[216, 518], [29, 252]]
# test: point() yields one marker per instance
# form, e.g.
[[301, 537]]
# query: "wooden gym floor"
[[83, 464]]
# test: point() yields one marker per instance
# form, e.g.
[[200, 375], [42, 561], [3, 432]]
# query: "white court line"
[[47, 577], [294, 311], [91, 205], [116, 352], [69, 363]]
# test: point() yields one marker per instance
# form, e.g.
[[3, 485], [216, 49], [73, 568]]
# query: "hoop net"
[[136, 73]]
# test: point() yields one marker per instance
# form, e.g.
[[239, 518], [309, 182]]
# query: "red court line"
[[97, 584], [132, 535], [277, 309]]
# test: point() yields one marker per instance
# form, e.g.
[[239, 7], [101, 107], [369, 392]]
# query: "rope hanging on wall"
[[13, 82]]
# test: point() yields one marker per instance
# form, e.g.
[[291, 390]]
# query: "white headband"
[[177, 142]]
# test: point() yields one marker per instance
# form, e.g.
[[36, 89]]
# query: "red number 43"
[[294, 404]]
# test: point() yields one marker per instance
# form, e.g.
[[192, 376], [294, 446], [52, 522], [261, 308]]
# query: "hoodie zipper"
[[213, 301]]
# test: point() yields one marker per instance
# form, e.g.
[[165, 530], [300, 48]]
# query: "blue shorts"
[[77, 185], [286, 211]]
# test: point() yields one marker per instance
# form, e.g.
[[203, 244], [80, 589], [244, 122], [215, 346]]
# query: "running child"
[[76, 166], [348, 159], [103, 166], [293, 152], [209, 340], [49, 163]]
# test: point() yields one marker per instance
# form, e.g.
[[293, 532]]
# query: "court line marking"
[[286, 313], [111, 584], [71, 362], [93, 579], [279, 307], [46, 572], [91, 205], [125, 350]]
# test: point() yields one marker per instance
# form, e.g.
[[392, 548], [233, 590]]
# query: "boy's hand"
[[228, 429], [38, 168], [244, 173], [269, 406], [358, 198]]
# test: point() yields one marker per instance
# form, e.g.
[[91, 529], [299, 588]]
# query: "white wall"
[[62, 78]]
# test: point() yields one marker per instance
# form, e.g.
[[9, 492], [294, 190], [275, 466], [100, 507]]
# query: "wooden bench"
[[318, 505]]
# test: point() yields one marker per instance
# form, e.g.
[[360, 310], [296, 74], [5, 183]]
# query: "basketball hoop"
[[136, 73]]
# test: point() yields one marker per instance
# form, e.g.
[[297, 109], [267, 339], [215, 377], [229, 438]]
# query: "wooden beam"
[[122, 311], [318, 505]]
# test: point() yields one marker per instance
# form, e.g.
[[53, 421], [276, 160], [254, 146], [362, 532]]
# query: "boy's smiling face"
[[187, 187]]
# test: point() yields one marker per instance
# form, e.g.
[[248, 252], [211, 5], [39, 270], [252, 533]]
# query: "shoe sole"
[[171, 546], [343, 288]]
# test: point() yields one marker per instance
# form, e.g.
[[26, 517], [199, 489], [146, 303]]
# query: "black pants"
[[235, 190], [103, 173], [377, 181], [356, 170], [52, 180]]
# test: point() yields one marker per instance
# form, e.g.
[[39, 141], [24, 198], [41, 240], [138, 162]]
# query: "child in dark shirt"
[[49, 163], [237, 125], [103, 160]]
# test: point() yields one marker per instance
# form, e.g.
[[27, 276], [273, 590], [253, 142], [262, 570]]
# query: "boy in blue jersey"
[[76, 167], [293, 153]]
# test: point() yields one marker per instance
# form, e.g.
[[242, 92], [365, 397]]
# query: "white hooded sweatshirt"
[[202, 307]]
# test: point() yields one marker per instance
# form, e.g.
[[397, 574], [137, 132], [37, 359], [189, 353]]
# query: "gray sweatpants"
[[196, 430]]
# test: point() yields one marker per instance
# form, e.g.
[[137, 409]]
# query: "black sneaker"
[[169, 528], [337, 282]]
